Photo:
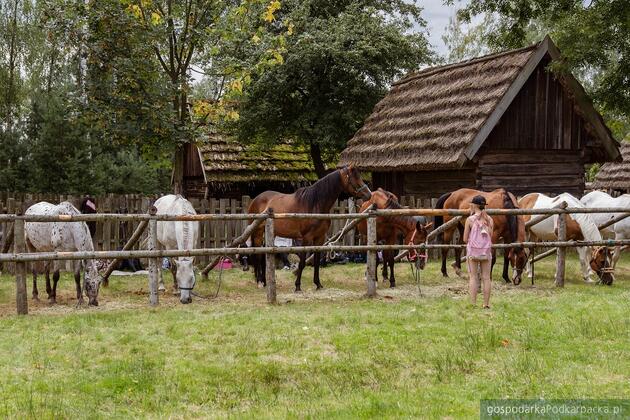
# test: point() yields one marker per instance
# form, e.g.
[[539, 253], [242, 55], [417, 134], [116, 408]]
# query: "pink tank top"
[[479, 239]]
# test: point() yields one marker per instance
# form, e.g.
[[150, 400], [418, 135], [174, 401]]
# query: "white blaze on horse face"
[[185, 279]]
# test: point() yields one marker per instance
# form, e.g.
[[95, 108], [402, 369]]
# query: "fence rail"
[[20, 258]]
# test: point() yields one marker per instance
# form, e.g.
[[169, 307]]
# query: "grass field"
[[317, 354]]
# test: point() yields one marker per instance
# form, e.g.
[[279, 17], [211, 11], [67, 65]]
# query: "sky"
[[437, 16]]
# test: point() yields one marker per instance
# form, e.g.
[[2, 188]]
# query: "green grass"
[[325, 354]]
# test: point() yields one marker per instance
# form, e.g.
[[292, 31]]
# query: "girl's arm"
[[466, 230]]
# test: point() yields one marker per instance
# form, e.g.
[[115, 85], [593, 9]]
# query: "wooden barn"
[[614, 177], [221, 167], [502, 120]]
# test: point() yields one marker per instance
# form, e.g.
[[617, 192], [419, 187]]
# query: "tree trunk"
[[316, 156], [178, 171]]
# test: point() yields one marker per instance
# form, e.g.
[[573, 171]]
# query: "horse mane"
[[512, 219], [314, 196], [587, 225]]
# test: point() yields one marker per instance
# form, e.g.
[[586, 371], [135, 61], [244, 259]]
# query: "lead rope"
[[415, 271], [216, 294]]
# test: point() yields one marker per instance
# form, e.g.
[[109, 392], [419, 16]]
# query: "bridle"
[[357, 189], [606, 268], [413, 253]]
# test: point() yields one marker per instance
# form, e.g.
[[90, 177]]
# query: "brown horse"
[[316, 198], [507, 228], [388, 229]]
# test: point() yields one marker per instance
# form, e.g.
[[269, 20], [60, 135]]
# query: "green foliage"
[[339, 61]]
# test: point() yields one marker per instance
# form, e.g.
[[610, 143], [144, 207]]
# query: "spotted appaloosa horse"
[[62, 236], [316, 198], [389, 228], [506, 228]]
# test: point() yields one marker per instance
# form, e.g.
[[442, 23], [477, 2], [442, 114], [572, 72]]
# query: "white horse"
[[618, 231], [180, 236], [580, 226], [62, 236]]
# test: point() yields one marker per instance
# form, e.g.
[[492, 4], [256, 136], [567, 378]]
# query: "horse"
[[181, 236], [580, 226], [509, 228], [88, 206], [388, 229], [316, 198], [617, 231], [62, 236]]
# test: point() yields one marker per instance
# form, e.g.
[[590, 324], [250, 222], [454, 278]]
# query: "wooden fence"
[[112, 235]]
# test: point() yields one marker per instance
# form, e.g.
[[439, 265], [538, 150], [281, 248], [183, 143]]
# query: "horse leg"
[[316, 261], [390, 262], [161, 286], [616, 255], [384, 270], [77, 281], [54, 288], [174, 273], [458, 252], [35, 292], [584, 265], [446, 240], [298, 274], [506, 266], [48, 284]]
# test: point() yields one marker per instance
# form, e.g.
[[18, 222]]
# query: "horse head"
[[353, 183], [91, 283], [518, 261], [600, 264], [418, 236], [185, 278]]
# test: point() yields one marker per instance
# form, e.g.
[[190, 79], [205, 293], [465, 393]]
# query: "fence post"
[[154, 263], [20, 267], [562, 251], [270, 260], [370, 275]]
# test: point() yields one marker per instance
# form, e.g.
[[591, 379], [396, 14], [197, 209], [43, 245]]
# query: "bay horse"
[[388, 229], [316, 198], [580, 226], [62, 236], [510, 228]]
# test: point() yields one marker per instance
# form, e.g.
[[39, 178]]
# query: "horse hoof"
[[392, 285], [36, 299], [445, 275], [298, 290], [320, 287], [52, 301], [260, 285], [162, 289]]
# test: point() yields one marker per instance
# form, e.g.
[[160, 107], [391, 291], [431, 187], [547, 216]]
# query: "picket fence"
[[112, 235]]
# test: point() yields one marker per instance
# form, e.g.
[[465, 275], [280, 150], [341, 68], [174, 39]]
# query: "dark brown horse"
[[506, 228], [388, 230], [316, 198]]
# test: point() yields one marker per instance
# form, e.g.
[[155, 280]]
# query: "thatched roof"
[[613, 175], [438, 118], [225, 160]]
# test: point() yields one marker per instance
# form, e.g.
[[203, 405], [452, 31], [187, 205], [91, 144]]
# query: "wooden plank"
[[370, 274], [270, 260], [562, 252]]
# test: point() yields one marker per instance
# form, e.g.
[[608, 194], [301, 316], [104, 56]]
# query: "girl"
[[478, 239]]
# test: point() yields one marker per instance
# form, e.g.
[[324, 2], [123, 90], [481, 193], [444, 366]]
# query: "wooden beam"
[[540, 218], [370, 272], [270, 259], [20, 269], [562, 252], [613, 221]]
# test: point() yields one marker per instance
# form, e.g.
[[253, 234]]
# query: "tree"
[[339, 61], [206, 33], [466, 41], [593, 37]]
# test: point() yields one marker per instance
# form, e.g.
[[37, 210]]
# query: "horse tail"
[[439, 220]]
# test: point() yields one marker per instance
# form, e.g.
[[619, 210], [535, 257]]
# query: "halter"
[[413, 253], [356, 189], [606, 268]]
